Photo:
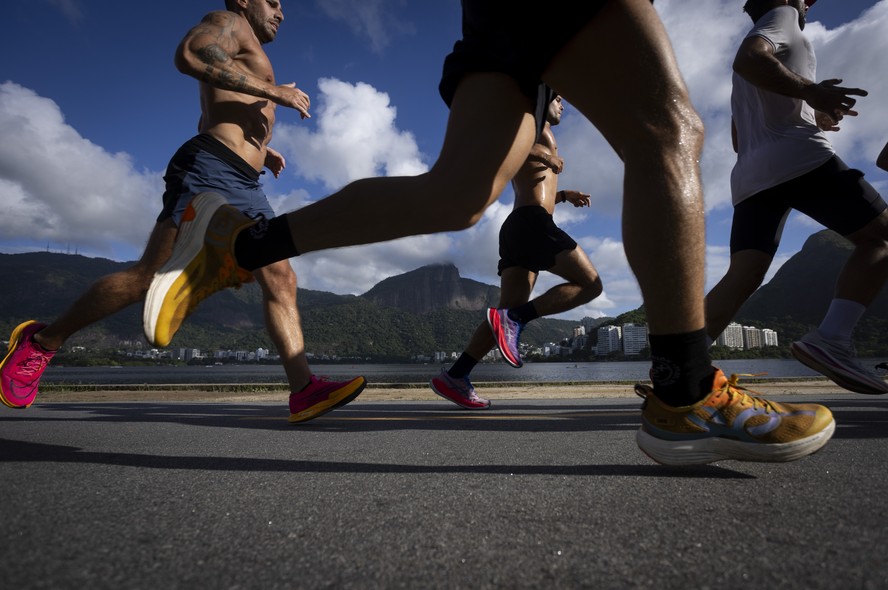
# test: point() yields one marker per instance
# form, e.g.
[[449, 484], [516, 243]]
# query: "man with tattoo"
[[238, 98], [491, 81]]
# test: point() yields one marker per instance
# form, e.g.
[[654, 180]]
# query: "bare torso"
[[536, 183], [242, 122]]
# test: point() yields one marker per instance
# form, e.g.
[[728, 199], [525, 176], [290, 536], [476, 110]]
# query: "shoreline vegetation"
[[273, 392]]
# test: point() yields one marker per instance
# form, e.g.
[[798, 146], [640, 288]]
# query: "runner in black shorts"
[[785, 161], [530, 242]]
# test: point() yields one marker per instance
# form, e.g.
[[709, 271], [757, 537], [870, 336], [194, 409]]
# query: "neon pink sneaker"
[[506, 331], [23, 366], [459, 391], [321, 396]]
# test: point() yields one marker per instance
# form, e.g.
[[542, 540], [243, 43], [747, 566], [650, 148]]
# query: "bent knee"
[[676, 130], [456, 216], [744, 283], [277, 276], [872, 238], [592, 289], [457, 199]]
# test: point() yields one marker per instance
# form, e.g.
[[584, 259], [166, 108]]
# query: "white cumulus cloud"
[[58, 188]]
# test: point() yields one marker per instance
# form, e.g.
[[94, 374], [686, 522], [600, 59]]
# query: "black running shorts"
[[530, 239], [510, 37], [832, 194], [205, 164]]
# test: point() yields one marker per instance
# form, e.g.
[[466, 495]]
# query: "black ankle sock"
[[681, 369], [523, 313], [462, 367], [264, 243]]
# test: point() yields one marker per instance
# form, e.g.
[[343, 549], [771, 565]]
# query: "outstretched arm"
[[274, 161], [207, 51], [576, 198], [757, 64]]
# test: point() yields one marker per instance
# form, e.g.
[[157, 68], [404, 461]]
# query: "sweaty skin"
[[238, 93], [536, 182]]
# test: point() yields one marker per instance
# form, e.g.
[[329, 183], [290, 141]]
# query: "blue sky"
[[92, 108]]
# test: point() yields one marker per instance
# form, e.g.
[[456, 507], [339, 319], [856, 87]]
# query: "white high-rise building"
[[732, 337], [752, 337], [609, 340], [769, 337], [635, 339]]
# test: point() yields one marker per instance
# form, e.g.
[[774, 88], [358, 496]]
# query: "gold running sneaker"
[[201, 264], [730, 424]]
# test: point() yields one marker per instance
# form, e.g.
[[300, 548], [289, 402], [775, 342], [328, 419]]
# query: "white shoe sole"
[[189, 243], [851, 381], [708, 450]]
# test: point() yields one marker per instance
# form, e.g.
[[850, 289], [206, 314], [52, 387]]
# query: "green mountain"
[[421, 312], [440, 313]]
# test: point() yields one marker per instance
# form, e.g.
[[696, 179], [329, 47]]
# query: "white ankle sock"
[[841, 319]]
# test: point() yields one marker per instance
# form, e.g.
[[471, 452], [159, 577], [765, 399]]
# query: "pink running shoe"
[[506, 331], [459, 391], [23, 366], [321, 396]]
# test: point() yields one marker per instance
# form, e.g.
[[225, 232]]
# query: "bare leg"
[[278, 283], [745, 274], [489, 133], [620, 72], [863, 275], [583, 284], [113, 292]]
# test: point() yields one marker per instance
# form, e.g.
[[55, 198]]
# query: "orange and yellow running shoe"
[[201, 264], [730, 424]]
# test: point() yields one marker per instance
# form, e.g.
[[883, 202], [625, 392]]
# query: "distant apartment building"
[[635, 339], [732, 337], [752, 337], [740, 337], [609, 340], [185, 354], [769, 337]]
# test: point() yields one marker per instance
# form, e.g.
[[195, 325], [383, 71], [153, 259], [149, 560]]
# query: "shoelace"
[[34, 363], [513, 329], [464, 386], [733, 390]]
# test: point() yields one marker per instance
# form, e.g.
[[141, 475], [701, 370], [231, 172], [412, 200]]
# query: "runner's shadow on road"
[[29, 452], [356, 417], [857, 417], [860, 417]]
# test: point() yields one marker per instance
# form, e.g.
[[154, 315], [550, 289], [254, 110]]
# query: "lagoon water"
[[405, 373]]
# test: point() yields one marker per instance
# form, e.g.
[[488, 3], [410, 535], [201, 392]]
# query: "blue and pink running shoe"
[[506, 331]]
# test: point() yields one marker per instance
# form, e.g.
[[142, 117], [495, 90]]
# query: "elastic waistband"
[[213, 146]]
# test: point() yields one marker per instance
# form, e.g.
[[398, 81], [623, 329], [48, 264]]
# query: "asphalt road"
[[545, 494]]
